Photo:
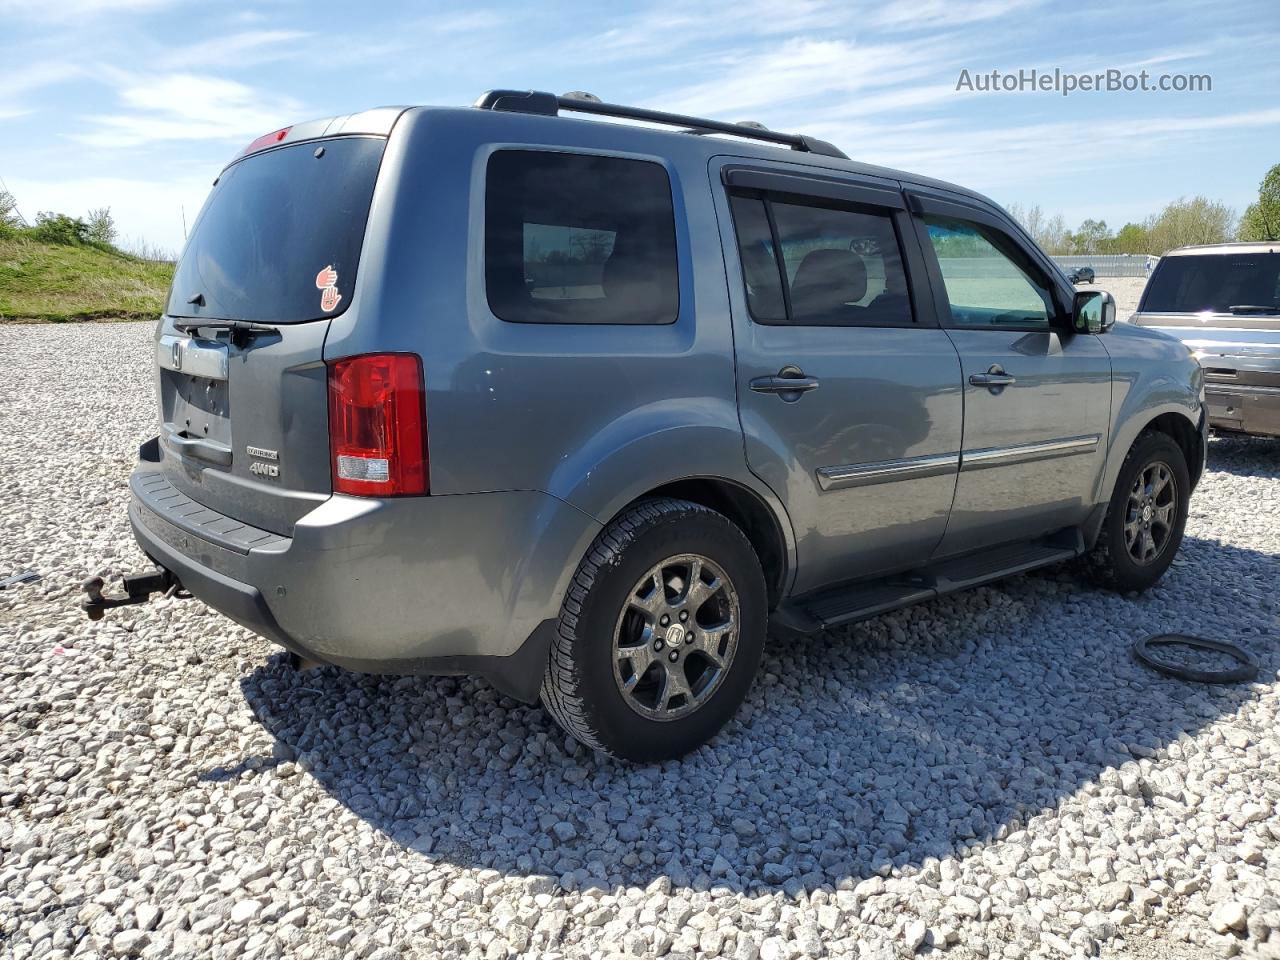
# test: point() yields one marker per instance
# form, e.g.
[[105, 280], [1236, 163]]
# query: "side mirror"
[[1093, 311]]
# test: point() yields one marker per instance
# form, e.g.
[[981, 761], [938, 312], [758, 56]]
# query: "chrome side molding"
[[1028, 452], [886, 471], [913, 468]]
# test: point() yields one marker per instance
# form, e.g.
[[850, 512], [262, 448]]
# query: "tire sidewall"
[[624, 732], [1127, 574]]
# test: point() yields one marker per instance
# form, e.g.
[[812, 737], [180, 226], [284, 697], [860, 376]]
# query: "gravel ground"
[[988, 775]]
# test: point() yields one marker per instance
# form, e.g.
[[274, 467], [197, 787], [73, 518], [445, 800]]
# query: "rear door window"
[[275, 226], [1215, 283], [812, 264], [571, 238]]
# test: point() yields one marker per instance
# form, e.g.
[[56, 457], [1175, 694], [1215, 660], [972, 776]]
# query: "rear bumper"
[[1245, 408], [453, 584]]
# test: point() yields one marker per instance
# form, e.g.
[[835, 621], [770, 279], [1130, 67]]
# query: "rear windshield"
[[1214, 282], [279, 238]]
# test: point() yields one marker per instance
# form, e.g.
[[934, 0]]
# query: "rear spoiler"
[[369, 123]]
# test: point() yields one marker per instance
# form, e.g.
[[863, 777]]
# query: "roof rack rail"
[[550, 105]]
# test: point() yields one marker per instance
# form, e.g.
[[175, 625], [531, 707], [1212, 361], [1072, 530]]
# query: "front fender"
[[1152, 375]]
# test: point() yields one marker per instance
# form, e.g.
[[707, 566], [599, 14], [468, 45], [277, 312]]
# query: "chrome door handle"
[[789, 384], [994, 379]]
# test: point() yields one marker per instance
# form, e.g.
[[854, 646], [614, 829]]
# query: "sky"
[[137, 104]]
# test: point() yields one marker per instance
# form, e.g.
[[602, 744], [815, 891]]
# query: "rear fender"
[[658, 444]]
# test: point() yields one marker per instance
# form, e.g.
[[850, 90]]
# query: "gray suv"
[[583, 407]]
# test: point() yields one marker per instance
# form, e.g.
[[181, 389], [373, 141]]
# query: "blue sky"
[[136, 104]]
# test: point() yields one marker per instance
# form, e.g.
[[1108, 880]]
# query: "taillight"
[[377, 426]]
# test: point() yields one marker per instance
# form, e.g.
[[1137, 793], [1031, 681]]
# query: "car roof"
[[660, 140], [1211, 249], [380, 121]]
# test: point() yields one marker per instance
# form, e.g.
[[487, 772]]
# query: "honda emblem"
[[177, 354]]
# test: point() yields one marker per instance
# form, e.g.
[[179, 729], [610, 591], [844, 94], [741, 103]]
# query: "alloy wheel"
[[1150, 513], [676, 637]]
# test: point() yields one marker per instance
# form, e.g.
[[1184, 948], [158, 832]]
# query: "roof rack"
[[550, 105]]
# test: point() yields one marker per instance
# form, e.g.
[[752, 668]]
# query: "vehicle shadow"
[[914, 735]]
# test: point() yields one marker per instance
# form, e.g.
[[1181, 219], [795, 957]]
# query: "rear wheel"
[[660, 634], [1146, 517]]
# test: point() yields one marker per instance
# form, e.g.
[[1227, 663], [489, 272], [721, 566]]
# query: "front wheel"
[[1146, 517], [660, 634]]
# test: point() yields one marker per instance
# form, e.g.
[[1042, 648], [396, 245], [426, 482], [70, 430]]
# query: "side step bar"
[[850, 603]]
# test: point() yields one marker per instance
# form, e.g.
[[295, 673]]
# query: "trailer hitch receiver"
[[138, 588]]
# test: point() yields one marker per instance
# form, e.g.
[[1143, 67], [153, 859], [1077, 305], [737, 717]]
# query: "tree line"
[[1179, 224]]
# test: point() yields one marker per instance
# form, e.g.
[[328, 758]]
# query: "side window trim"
[[768, 185], [811, 187]]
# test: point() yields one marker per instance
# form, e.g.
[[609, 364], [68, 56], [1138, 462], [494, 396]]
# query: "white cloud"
[[185, 106], [74, 10], [932, 14], [238, 50]]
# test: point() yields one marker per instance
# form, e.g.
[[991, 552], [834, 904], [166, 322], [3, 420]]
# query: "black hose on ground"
[[1246, 671]]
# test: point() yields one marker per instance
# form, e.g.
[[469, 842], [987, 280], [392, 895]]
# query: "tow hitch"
[[138, 588]]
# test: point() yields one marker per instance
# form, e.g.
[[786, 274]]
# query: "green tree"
[[1261, 220], [1092, 236], [101, 226], [1131, 238], [59, 228], [1184, 222], [9, 210]]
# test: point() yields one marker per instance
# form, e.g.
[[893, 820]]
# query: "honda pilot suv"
[[1223, 301], [583, 407]]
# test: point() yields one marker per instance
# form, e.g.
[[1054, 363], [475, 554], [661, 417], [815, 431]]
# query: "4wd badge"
[[327, 283], [259, 469]]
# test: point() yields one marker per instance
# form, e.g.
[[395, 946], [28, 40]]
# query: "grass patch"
[[54, 282]]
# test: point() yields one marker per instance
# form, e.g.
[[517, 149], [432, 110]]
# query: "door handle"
[[995, 379], [790, 384]]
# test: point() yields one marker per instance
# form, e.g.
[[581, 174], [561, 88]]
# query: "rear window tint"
[[840, 266], [273, 222], [1214, 282], [571, 238]]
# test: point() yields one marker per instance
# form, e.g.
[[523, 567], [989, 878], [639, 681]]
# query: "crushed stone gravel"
[[987, 775]]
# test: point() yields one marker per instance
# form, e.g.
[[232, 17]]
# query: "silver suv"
[[1223, 301], [582, 407]]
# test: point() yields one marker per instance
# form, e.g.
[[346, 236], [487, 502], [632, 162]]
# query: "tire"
[[607, 604], [1114, 562]]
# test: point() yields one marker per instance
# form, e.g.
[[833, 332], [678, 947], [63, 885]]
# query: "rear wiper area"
[[242, 331], [1254, 308]]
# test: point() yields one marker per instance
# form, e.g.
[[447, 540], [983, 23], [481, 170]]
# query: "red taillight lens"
[[377, 427]]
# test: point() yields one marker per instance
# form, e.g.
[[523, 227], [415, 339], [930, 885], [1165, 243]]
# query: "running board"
[[850, 603]]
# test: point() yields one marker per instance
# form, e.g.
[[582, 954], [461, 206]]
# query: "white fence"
[[1110, 264]]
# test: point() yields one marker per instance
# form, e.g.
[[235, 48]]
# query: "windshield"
[[1250, 282], [279, 238]]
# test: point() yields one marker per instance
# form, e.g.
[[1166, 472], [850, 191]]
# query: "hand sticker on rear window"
[[327, 281]]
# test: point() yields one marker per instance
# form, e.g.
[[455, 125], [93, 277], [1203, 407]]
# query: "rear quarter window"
[[571, 238]]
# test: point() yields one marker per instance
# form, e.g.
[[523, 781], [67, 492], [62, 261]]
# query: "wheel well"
[[1186, 436], [752, 516]]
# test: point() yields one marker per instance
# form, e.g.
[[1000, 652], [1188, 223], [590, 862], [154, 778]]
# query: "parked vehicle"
[[581, 406], [1223, 301], [1081, 275]]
